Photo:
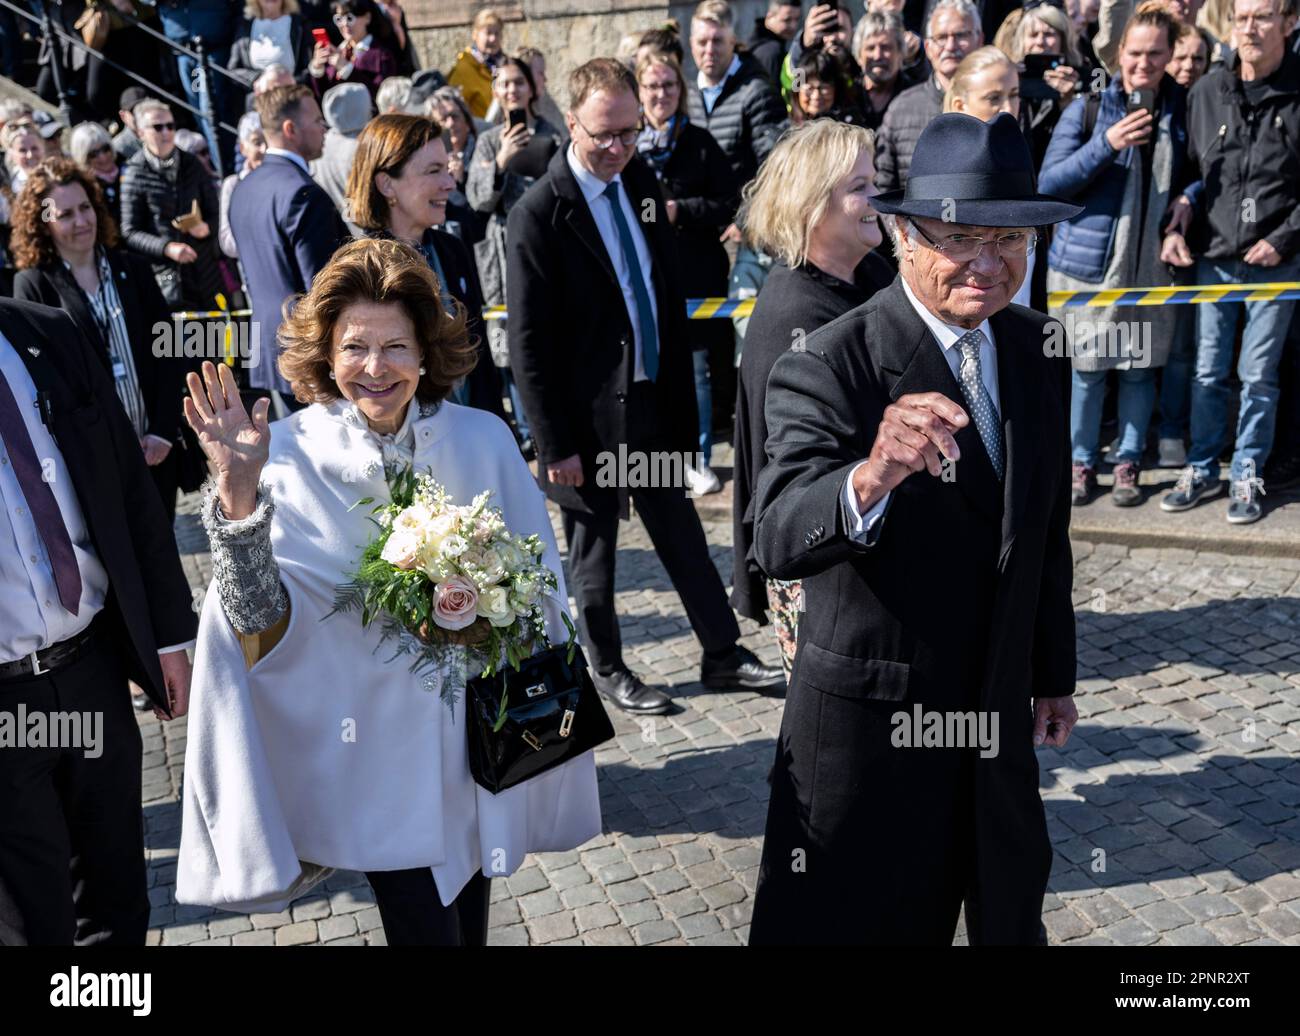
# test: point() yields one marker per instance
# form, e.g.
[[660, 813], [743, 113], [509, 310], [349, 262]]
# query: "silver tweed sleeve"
[[243, 567]]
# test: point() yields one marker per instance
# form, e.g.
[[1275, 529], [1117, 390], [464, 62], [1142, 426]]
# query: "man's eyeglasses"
[[1264, 21], [163, 127], [953, 37], [605, 141], [964, 248]]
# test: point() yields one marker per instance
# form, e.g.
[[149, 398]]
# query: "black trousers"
[[678, 537], [71, 832], [413, 915]]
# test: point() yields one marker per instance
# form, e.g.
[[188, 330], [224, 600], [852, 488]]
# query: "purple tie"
[[40, 499]]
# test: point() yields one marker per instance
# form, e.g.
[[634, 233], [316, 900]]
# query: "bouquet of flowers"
[[450, 584]]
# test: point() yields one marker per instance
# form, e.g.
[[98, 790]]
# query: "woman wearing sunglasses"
[[367, 55], [92, 150]]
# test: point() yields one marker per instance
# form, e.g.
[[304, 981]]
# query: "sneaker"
[[1083, 483], [1190, 490], [1125, 492], [1245, 507], [702, 481], [1173, 453]]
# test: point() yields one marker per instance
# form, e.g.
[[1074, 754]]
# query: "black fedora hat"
[[965, 170]]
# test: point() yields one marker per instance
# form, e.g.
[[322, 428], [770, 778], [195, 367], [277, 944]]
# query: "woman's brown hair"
[[373, 270], [32, 245], [384, 146]]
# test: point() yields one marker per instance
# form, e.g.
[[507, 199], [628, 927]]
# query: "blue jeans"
[[1137, 398], [704, 402], [210, 20], [1176, 381], [1257, 368]]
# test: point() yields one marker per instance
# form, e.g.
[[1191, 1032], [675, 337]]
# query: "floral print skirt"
[[785, 602]]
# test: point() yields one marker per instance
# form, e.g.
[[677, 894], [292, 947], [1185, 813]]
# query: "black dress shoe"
[[627, 691], [741, 669]]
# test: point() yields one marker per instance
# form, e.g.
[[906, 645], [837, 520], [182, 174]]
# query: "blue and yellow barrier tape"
[[1186, 294]]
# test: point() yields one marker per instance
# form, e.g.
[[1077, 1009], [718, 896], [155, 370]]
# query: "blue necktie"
[[644, 314]]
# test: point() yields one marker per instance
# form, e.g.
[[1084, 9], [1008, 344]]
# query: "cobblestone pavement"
[[1172, 810]]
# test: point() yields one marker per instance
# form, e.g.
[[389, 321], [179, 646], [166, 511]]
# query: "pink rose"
[[455, 603]]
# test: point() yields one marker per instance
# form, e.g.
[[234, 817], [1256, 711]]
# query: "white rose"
[[453, 546], [494, 605], [402, 549], [494, 569]]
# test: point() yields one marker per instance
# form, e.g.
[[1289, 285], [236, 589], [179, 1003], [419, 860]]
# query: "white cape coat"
[[327, 753]]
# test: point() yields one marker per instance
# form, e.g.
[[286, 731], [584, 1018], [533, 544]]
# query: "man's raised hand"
[[915, 433]]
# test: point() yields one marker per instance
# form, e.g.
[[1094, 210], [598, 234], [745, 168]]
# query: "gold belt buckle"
[[532, 741], [566, 724]]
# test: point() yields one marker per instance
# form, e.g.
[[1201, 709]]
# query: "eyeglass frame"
[[1031, 237], [595, 139]]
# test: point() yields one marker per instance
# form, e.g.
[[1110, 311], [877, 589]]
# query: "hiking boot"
[[1083, 483], [1125, 491]]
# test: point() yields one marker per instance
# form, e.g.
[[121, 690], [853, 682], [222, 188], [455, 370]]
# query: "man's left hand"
[[1054, 718], [1261, 253], [176, 681], [155, 449]]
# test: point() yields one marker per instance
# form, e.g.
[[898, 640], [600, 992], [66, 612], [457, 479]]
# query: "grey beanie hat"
[[347, 108]]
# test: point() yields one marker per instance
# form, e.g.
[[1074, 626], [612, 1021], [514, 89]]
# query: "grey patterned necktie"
[[977, 398]]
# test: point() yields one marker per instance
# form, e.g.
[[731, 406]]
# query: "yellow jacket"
[[475, 81]]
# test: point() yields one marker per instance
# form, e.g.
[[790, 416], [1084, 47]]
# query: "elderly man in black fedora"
[[918, 483]]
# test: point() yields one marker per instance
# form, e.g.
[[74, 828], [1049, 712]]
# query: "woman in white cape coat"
[[325, 753]]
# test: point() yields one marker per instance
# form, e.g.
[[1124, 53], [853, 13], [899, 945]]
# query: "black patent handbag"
[[523, 722]]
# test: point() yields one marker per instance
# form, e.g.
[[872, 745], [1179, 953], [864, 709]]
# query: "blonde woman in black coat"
[[810, 206]]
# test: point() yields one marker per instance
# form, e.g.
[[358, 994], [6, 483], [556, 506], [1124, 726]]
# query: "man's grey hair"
[[965, 8], [87, 137], [249, 123], [873, 23], [149, 104], [889, 224], [393, 94]]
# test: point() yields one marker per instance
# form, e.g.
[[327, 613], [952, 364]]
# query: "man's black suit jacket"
[[571, 339], [963, 603], [149, 603]]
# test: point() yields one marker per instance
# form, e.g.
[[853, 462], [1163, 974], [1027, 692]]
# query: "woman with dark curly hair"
[[65, 246], [276, 790]]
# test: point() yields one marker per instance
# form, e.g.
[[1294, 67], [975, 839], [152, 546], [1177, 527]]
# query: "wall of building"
[[568, 32]]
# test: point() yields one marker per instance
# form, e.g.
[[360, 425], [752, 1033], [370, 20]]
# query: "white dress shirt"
[[31, 615], [292, 156], [712, 91], [602, 212], [866, 527]]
